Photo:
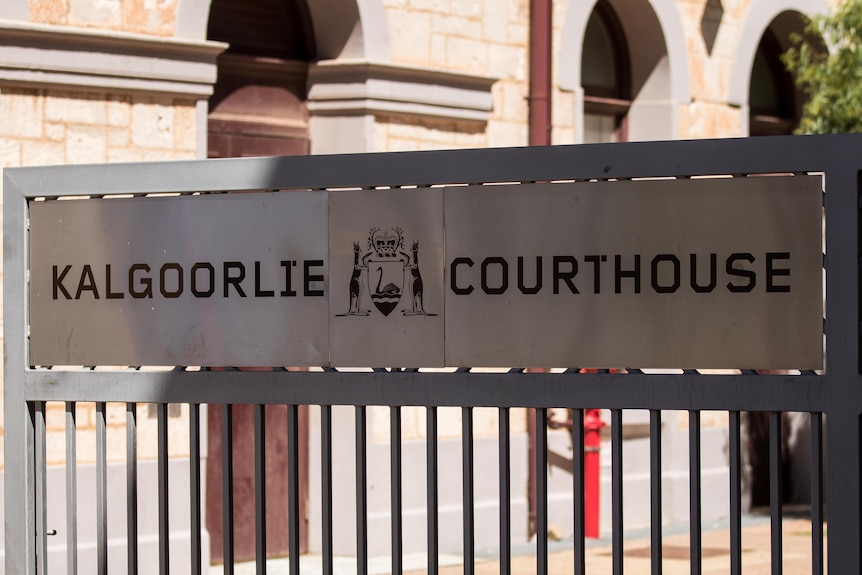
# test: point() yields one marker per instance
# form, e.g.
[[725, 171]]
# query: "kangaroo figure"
[[416, 286], [356, 284]]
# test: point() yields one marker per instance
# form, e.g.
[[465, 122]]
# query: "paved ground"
[[716, 555], [756, 558]]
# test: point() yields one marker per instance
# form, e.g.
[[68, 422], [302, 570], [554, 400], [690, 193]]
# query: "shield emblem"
[[385, 282]]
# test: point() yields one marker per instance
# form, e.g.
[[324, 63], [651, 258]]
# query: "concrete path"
[[756, 556], [756, 559]]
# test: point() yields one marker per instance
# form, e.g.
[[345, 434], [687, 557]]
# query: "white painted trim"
[[572, 42], [14, 10], [358, 105], [60, 56], [758, 18], [192, 19], [350, 29], [345, 134], [201, 153], [355, 87], [342, 28], [375, 29]]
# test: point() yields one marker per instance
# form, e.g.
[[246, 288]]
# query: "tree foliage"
[[830, 80]]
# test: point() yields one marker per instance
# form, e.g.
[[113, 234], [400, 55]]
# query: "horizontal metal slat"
[[608, 390]]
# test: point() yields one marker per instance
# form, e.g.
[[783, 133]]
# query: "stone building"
[[92, 81]]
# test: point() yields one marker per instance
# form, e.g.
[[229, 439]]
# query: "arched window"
[[605, 77], [772, 98]]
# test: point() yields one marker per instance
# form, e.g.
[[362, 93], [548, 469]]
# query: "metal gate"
[[30, 391]]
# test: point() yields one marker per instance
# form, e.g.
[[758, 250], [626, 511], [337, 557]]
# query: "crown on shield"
[[385, 243]]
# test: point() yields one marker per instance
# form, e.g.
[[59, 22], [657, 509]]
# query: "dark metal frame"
[[835, 392]]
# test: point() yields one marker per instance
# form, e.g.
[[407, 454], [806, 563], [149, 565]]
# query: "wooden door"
[[243, 478]]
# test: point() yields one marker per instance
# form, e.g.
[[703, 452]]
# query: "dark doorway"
[[774, 109], [258, 107]]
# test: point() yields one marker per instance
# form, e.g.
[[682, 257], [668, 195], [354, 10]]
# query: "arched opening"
[[644, 44], [775, 104], [759, 85], [605, 77], [258, 106]]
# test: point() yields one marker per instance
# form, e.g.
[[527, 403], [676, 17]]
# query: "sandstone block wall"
[[46, 127], [156, 17], [115, 432]]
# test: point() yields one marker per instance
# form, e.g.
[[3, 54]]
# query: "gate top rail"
[[778, 154]]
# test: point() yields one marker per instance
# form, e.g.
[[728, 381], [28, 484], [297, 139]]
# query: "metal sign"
[[227, 279], [712, 273], [706, 273]]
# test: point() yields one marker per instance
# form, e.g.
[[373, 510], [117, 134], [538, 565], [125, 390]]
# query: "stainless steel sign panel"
[[215, 280], [707, 273], [386, 288]]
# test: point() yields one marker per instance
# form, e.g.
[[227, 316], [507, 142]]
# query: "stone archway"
[[760, 16], [342, 28], [343, 31], [659, 63], [14, 10]]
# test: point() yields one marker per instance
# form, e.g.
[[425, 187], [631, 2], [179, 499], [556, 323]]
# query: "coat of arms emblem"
[[383, 269]]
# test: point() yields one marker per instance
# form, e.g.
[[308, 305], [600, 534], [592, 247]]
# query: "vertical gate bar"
[[843, 315], [18, 414], [816, 493], [101, 491], [395, 487], [467, 490], [775, 491], [227, 486], [71, 490], [617, 490], [293, 487], [542, 491], [578, 491], [735, 493], [41, 491], [655, 490], [326, 486], [132, 488], [164, 504], [361, 491], [695, 511], [195, 487], [260, 489], [531, 471], [26, 454], [431, 486], [505, 457]]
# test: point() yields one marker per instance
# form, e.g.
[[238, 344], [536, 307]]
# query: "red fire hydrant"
[[593, 425]]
